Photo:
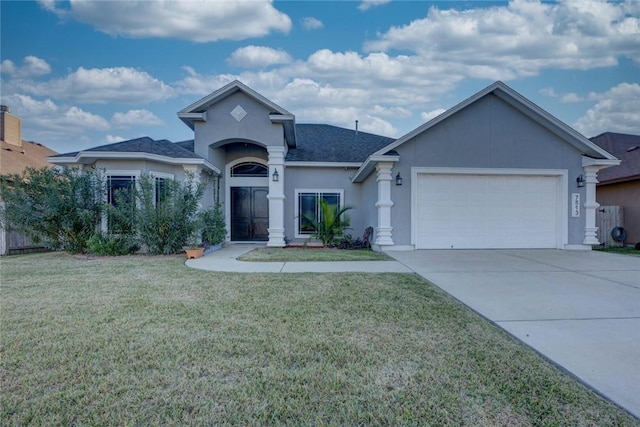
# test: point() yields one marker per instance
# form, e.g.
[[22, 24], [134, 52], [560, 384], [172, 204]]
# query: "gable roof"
[[531, 110], [594, 154], [198, 110], [326, 143], [162, 150], [625, 147]]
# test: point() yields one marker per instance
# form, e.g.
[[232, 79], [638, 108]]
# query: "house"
[[620, 185], [16, 155], [495, 171]]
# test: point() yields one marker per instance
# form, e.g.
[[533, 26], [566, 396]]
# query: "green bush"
[[104, 244], [60, 209], [331, 224], [213, 226], [166, 223]]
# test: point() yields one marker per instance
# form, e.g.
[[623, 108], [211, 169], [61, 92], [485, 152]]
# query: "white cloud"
[[258, 56], [520, 39], [428, 115], [110, 139], [569, 98], [32, 66], [548, 91], [199, 84], [311, 23], [136, 118], [101, 86], [198, 21], [616, 110], [44, 120], [367, 4]]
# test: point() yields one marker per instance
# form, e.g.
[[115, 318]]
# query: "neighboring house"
[[620, 185], [16, 155], [495, 171]]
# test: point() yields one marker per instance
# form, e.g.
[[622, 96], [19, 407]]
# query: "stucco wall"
[[627, 195], [221, 127], [320, 178], [487, 134]]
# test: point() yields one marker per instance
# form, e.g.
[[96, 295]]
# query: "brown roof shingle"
[[626, 148]]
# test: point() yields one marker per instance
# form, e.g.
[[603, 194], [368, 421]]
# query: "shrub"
[[105, 244], [165, 223], [331, 224], [61, 209], [213, 226]]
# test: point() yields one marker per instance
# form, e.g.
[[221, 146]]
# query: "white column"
[[276, 197], [590, 205], [384, 203]]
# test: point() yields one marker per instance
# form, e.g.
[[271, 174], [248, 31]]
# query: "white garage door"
[[458, 211]]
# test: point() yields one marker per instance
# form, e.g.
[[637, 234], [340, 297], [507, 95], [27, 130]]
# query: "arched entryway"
[[249, 206]]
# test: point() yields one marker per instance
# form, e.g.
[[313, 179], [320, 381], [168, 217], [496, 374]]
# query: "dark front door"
[[249, 213]]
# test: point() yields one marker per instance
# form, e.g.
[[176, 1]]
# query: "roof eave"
[[369, 164], [289, 125], [229, 89], [88, 157]]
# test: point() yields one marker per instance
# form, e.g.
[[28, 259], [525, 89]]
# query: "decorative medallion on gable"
[[238, 113]]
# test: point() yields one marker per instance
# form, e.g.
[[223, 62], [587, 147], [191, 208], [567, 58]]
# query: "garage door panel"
[[486, 211]]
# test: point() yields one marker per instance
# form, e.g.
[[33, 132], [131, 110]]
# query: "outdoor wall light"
[[580, 180], [398, 179], [275, 177]]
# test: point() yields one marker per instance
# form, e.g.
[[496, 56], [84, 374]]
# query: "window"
[[249, 169], [120, 195], [120, 189], [160, 190], [308, 207]]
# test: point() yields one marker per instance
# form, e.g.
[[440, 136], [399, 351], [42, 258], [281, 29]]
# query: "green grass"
[[627, 250], [147, 341], [311, 254]]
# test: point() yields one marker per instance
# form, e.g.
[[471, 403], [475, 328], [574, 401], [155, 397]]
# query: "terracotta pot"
[[194, 252]]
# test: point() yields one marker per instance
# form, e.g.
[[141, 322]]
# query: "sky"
[[83, 73]]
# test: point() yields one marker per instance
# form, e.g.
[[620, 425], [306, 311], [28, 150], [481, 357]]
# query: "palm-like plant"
[[331, 224]]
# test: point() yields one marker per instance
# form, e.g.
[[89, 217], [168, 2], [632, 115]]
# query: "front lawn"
[[627, 250], [311, 254], [146, 341]]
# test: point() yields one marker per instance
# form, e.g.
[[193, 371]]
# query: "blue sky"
[[83, 73]]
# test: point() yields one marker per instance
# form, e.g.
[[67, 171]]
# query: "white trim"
[[103, 155], [368, 165], [605, 163], [240, 181], [562, 193], [297, 191], [161, 175], [352, 165]]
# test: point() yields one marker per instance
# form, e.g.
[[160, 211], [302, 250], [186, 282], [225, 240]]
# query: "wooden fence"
[[12, 242], [607, 218]]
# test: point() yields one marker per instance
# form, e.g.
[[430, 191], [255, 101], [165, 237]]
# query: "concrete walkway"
[[580, 309], [225, 260]]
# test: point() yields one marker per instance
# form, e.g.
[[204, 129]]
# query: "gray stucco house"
[[495, 171]]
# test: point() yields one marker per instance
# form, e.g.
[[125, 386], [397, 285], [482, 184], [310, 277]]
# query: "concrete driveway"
[[580, 309]]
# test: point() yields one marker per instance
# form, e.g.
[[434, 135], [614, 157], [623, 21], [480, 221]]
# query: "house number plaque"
[[575, 205]]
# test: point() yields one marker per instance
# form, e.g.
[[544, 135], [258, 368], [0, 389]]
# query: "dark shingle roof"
[[144, 144], [326, 143], [624, 147]]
